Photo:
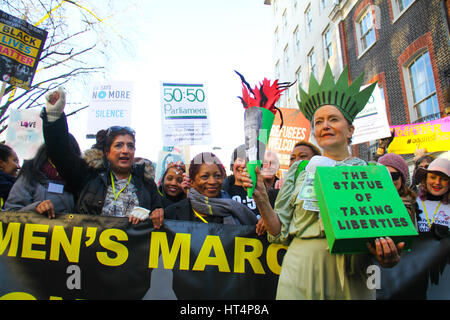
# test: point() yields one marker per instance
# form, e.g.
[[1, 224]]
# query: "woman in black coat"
[[116, 186]]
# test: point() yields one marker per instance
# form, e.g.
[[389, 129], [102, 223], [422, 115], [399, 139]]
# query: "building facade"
[[402, 44]]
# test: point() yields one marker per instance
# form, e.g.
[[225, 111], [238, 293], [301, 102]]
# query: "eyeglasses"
[[395, 176], [119, 128]]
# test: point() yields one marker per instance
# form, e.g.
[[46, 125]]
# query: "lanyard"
[[114, 188], [434, 215], [199, 216]]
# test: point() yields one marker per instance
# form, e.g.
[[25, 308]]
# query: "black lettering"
[[378, 184], [353, 212], [373, 223], [362, 211], [361, 183], [344, 210], [355, 224], [371, 184], [344, 183], [389, 223], [396, 223], [340, 225], [353, 185], [388, 208], [363, 224], [336, 185], [345, 175], [355, 175], [382, 222], [404, 222], [363, 175], [378, 209]]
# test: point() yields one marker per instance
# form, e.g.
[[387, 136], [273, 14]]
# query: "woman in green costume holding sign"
[[309, 271]]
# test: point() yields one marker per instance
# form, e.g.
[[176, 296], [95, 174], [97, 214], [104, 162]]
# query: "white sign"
[[111, 104], [184, 114], [24, 133], [371, 123]]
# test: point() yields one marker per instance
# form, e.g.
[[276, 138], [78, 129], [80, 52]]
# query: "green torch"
[[260, 110]]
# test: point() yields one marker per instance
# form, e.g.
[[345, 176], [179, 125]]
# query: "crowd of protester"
[[108, 180]]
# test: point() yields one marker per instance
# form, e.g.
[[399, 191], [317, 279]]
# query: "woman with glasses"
[[116, 187], [398, 169]]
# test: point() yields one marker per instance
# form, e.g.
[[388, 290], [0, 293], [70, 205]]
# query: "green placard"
[[358, 204]]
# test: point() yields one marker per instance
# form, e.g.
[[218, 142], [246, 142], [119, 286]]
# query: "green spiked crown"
[[348, 99]]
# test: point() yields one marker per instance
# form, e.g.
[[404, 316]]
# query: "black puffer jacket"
[[89, 176]]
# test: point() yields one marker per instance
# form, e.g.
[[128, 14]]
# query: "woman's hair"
[[313, 148], [105, 138], [5, 152], [201, 158], [31, 169]]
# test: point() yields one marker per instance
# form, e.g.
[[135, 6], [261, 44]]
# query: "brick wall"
[[422, 23]]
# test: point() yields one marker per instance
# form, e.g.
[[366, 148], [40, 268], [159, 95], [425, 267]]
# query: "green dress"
[[309, 271]]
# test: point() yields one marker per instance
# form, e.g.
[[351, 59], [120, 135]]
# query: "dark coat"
[[90, 182]]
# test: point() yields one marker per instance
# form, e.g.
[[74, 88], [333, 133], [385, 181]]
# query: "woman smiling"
[[206, 202], [114, 185], [309, 271]]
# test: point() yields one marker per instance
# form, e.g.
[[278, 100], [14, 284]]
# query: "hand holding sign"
[[385, 251]]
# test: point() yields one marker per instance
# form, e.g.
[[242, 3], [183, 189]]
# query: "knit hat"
[[395, 161], [439, 166]]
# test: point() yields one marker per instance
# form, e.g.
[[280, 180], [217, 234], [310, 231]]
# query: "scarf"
[[50, 172], [232, 212]]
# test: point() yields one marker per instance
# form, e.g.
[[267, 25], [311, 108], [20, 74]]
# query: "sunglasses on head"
[[120, 128], [395, 176]]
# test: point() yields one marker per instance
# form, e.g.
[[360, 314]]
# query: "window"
[[297, 39], [277, 70], [308, 19], [286, 57], [312, 62], [400, 6], [327, 43], [423, 89], [323, 4], [366, 30], [298, 76]]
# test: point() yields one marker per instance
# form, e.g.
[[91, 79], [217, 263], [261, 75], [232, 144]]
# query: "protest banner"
[[111, 105], [358, 204], [21, 46], [184, 114], [90, 257], [282, 140], [371, 123], [24, 133], [433, 136]]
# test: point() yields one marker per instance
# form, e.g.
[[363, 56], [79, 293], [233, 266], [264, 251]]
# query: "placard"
[[21, 46], [111, 105], [371, 123], [24, 133], [433, 136], [184, 114], [358, 204]]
